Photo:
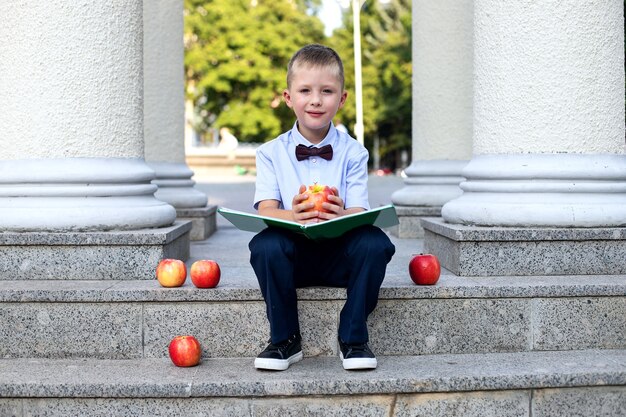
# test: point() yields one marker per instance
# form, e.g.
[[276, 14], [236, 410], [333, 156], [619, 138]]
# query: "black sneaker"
[[357, 356], [278, 357]]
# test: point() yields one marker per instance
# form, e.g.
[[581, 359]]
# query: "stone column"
[[442, 110], [71, 135], [164, 115], [548, 139]]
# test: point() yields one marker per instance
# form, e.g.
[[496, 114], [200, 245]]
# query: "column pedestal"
[[94, 255], [428, 186], [177, 188], [546, 188], [560, 214], [85, 219], [79, 194], [164, 116], [410, 221], [442, 33], [203, 221], [76, 198], [529, 251]]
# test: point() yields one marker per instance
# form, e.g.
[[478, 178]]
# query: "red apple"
[[205, 274], [318, 194], [185, 351], [424, 269], [171, 273]]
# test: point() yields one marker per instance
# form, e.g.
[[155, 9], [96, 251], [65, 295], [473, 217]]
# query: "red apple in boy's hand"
[[185, 351], [424, 269], [205, 274], [318, 194], [171, 273]]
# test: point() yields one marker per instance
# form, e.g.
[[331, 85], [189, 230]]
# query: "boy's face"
[[315, 95]]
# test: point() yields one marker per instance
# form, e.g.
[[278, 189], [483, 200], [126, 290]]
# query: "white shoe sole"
[[358, 363], [277, 364]]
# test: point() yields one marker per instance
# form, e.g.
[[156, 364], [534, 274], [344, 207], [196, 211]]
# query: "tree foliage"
[[236, 55], [386, 69]]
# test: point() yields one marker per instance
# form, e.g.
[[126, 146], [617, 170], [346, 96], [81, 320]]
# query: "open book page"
[[382, 217]]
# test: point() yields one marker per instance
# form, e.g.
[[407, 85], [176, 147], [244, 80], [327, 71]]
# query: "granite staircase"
[[498, 346]]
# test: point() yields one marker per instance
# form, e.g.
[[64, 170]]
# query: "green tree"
[[386, 69], [236, 55]]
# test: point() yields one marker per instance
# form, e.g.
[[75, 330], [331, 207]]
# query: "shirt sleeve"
[[266, 182], [356, 181]]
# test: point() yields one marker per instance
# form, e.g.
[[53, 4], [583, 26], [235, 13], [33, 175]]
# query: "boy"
[[313, 151]]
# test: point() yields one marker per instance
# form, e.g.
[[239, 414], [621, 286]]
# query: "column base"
[[74, 195], [176, 186], [541, 190], [110, 255], [529, 251], [410, 217], [203, 221]]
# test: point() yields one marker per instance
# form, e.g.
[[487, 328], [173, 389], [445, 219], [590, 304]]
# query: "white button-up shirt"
[[280, 174]]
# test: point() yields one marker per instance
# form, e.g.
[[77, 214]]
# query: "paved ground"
[[225, 188]]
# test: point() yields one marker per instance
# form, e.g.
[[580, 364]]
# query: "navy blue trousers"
[[284, 261]]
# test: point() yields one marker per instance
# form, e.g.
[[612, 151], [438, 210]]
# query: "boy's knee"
[[372, 240], [270, 241]]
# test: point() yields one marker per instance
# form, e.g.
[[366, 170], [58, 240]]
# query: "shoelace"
[[357, 348], [283, 345]]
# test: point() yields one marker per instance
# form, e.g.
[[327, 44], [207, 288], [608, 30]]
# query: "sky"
[[330, 14]]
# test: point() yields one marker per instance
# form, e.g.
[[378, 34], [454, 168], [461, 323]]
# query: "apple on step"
[[185, 351], [424, 269], [205, 273], [171, 272]]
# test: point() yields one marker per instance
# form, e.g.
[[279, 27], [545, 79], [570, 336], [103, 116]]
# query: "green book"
[[382, 217]]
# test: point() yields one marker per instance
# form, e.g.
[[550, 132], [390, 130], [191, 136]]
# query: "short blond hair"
[[315, 55]]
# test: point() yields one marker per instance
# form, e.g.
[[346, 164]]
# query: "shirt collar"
[[301, 140]]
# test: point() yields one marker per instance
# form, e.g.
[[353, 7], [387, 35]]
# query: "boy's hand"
[[334, 205], [298, 208]]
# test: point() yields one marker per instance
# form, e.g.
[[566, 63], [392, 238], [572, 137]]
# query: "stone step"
[[137, 319], [110, 255], [571, 383]]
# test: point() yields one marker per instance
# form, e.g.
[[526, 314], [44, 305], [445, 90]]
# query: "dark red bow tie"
[[303, 152]]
